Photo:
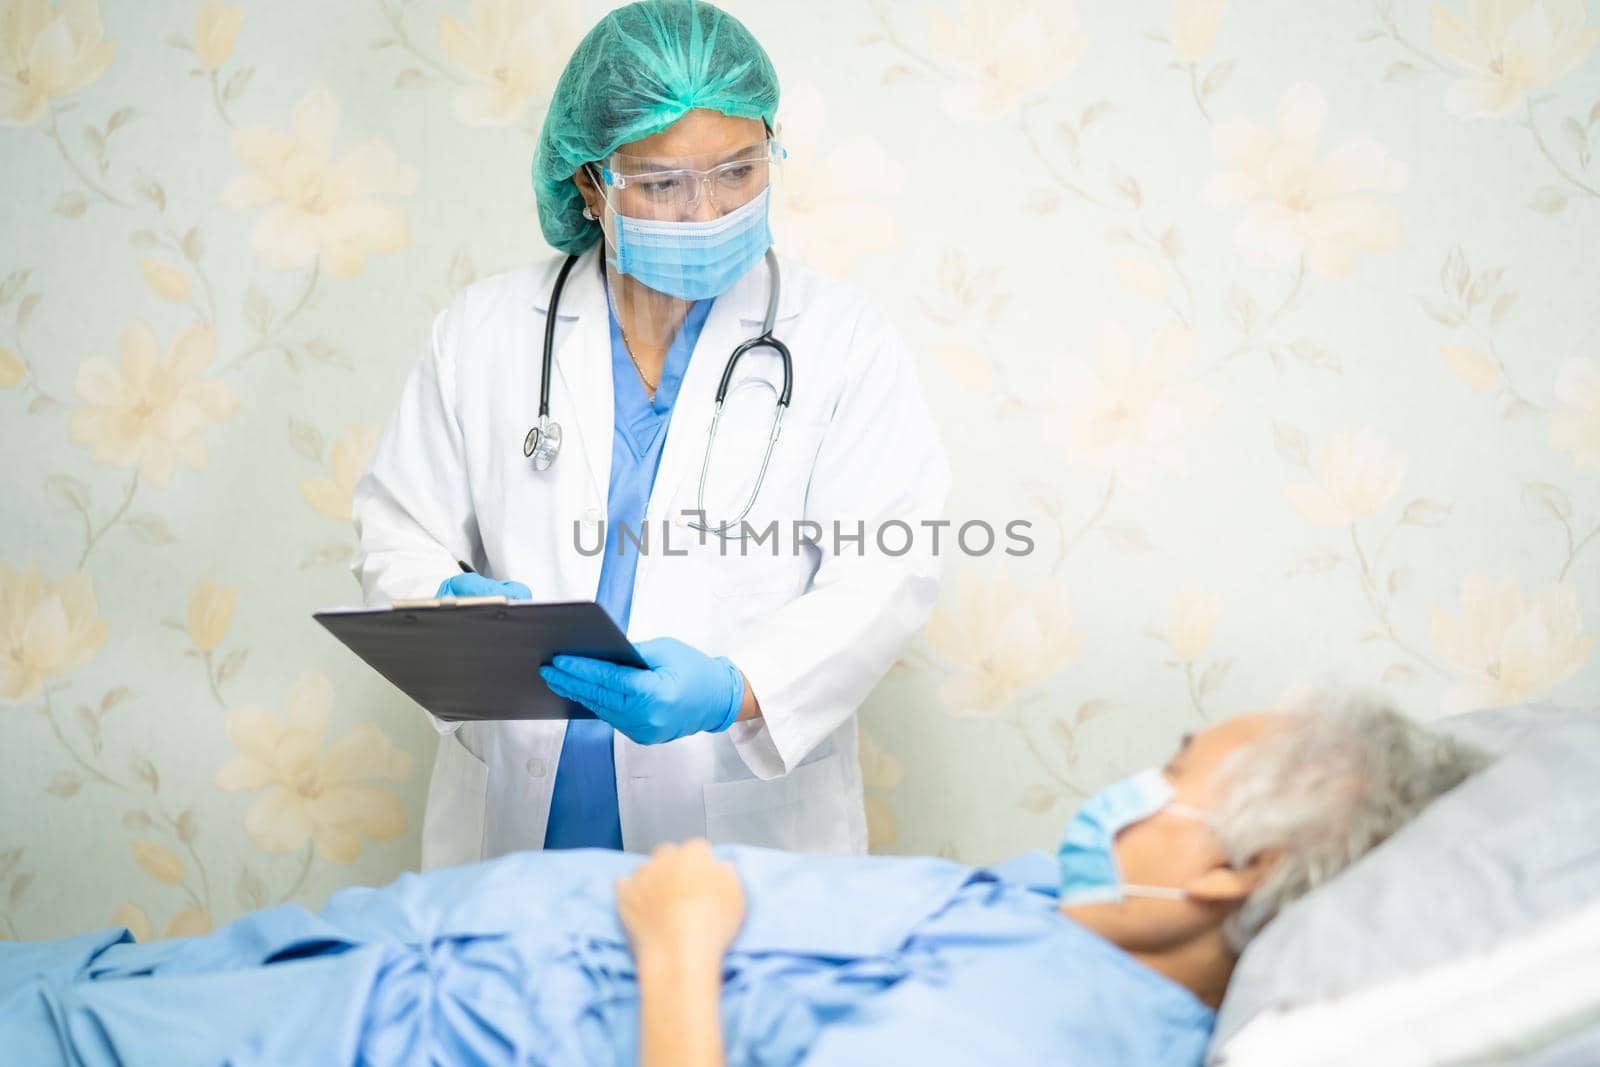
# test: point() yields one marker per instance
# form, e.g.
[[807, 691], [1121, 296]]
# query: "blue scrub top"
[[583, 806]]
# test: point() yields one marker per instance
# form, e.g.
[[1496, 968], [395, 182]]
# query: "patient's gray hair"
[[1322, 788]]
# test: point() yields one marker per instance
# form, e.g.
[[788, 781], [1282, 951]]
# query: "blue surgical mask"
[[1088, 857], [693, 260]]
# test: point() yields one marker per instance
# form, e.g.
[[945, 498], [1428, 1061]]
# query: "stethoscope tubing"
[[547, 430]]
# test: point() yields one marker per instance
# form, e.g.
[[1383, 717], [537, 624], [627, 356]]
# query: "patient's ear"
[[1230, 885]]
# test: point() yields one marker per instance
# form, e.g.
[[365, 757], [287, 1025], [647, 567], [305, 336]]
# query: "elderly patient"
[[1116, 950]]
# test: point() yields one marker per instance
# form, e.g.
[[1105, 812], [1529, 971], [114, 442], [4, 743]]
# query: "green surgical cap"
[[636, 73]]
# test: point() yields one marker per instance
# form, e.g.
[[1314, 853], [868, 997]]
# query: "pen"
[[466, 568]]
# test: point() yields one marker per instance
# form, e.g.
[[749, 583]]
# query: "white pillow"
[[1537, 990], [1516, 844]]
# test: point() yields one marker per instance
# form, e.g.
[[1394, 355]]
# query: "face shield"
[[688, 227]]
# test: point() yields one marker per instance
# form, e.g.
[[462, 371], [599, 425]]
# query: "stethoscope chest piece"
[[543, 443]]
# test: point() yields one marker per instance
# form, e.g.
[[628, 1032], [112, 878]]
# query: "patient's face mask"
[[1088, 857]]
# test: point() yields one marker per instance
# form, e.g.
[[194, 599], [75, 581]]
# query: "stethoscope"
[[543, 443]]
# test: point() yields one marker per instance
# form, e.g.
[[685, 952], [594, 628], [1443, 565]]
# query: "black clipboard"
[[474, 659]]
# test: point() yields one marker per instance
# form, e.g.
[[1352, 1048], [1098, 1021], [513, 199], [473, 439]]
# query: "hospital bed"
[[1470, 938]]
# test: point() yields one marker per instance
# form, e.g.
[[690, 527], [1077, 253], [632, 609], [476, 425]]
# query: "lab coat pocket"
[[794, 812], [453, 824], [771, 574]]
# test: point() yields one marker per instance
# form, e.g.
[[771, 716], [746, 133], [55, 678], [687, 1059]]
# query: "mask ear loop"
[[595, 178], [1187, 811], [1158, 892], [602, 185], [597, 175], [1168, 892]]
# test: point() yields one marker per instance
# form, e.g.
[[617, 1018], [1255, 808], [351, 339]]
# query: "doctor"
[[755, 574]]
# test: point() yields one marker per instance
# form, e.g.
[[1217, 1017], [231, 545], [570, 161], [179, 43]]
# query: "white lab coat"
[[812, 631]]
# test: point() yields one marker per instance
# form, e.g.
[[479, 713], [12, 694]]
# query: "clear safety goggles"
[[684, 188]]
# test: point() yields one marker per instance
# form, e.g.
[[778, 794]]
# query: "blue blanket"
[[521, 960]]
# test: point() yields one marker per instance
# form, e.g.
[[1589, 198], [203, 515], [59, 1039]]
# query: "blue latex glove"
[[478, 585], [684, 692]]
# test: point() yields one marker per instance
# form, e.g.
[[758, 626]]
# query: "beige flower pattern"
[[1508, 48], [513, 51], [321, 210], [148, 412], [46, 630], [210, 613], [1302, 204], [1509, 645], [187, 921], [47, 53], [1006, 50], [1194, 26], [831, 203], [1191, 619], [1131, 414], [164, 279], [216, 29], [331, 494], [1575, 426], [316, 793], [11, 369], [1356, 474], [1000, 638]]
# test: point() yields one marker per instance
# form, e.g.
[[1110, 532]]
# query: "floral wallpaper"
[[1275, 321]]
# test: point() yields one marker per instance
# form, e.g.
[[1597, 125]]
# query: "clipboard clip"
[[448, 602]]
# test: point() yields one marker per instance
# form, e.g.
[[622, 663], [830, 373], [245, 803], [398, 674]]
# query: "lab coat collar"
[[582, 358], [748, 297]]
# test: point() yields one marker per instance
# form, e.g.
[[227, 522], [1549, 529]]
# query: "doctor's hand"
[[683, 692], [478, 585]]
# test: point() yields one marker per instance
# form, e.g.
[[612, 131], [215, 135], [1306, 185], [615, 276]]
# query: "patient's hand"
[[681, 909], [682, 902]]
